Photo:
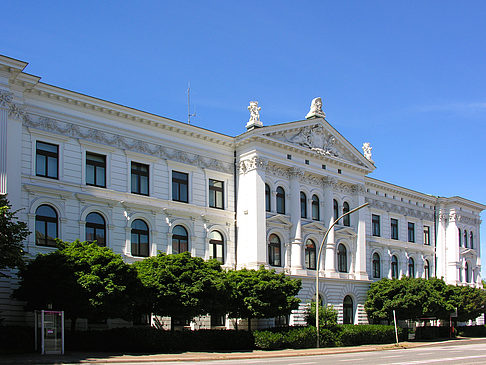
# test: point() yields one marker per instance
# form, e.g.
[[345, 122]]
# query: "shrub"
[[16, 339], [353, 335], [432, 332], [294, 338], [472, 331], [151, 340]]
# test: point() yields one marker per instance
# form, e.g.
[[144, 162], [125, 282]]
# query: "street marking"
[[439, 360]]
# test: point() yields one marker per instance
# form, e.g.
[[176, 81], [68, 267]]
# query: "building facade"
[[84, 168]]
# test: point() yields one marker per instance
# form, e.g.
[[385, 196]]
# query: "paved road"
[[474, 353]]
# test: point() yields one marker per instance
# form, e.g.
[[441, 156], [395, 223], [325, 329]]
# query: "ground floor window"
[[348, 310]]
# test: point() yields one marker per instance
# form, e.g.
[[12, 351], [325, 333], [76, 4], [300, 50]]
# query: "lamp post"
[[319, 261]]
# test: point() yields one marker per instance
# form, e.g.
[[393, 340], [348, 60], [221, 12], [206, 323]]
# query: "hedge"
[[472, 331], [432, 332], [16, 339], [151, 340], [342, 335]]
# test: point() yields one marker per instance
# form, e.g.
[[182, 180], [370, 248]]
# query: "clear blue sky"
[[407, 76]]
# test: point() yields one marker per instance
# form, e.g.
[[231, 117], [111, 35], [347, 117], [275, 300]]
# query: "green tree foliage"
[[411, 299], [84, 280], [327, 316], [262, 293], [181, 286], [470, 302], [12, 233]]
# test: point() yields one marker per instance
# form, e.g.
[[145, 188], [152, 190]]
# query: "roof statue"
[[254, 110], [367, 151], [316, 109]]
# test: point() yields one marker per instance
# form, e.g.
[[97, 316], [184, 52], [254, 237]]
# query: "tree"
[[12, 233], [327, 316], [411, 298], [262, 294], [470, 302], [181, 286], [83, 279]]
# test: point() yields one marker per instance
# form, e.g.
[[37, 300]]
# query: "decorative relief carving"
[[277, 171], [330, 181], [14, 110], [296, 172], [252, 164], [317, 140], [389, 207], [358, 189], [126, 143]]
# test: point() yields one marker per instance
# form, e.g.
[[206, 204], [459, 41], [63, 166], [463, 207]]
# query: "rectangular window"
[[47, 160], [180, 186], [95, 169], [394, 228], [375, 223], [216, 194], [426, 235], [140, 178], [411, 232]]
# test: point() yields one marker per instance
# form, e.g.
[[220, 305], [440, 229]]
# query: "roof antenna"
[[189, 115]]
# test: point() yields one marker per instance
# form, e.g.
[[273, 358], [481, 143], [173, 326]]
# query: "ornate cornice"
[[124, 143], [399, 209]]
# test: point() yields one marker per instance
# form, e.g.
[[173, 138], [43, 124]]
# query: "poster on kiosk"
[[49, 331]]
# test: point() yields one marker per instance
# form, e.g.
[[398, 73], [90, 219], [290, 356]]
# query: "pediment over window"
[[279, 220], [345, 232], [314, 227]]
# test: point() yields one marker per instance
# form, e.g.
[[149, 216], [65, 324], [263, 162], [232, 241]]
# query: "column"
[[3, 143], [360, 267], [330, 248], [295, 218]]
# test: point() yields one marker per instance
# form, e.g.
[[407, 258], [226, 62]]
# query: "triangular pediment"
[[279, 220], [345, 232], [314, 227], [318, 137]]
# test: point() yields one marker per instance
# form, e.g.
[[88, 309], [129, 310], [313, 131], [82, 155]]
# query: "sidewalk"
[[107, 358]]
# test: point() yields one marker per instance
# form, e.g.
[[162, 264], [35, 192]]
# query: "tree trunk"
[[249, 324]]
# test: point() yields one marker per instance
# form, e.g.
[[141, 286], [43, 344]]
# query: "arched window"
[[471, 240], [336, 209], [310, 255], [460, 238], [427, 269], [346, 219], [280, 200], [342, 258], [140, 238], [394, 267], [96, 229], [45, 226], [467, 273], [180, 241], [216, 246], [315, 208], [348, 310], [376, 266], [274, 251], [303, 205], [411, 267], [268, 202], [465, 238]]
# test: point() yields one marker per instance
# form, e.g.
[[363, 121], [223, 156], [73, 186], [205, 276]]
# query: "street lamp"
[[319, 261]]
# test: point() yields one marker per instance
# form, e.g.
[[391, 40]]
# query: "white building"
[[81, 167]]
